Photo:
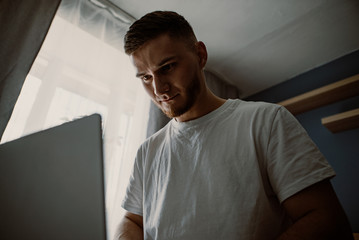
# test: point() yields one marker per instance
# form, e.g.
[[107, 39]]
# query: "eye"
[[168, 67], [146, 78]]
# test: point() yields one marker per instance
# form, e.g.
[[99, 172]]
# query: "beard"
[[191, 94]]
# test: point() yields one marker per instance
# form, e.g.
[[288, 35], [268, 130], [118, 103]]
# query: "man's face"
[[171, 74]]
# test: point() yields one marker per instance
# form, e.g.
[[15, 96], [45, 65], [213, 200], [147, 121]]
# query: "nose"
[[160, 85]]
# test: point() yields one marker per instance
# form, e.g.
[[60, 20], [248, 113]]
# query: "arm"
[[316, 214], [130, 228]]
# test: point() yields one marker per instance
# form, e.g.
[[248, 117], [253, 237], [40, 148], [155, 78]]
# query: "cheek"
[[186, 80], [149, 90]]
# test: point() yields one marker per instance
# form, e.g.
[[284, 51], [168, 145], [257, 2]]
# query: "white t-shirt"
[[224, 175]]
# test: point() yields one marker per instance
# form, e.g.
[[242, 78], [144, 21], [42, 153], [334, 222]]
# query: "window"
[[81, 70]]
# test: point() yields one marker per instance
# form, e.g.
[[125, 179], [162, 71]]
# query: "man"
[[221, 169]]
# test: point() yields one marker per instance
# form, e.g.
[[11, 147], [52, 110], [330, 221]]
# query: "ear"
[[202, 53]]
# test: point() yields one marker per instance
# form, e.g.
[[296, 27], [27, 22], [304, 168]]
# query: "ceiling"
[[256, 44]]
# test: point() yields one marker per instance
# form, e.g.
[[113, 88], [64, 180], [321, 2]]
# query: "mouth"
[[168, 99]]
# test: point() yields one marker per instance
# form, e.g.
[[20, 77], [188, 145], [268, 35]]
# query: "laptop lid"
[[52, 183]]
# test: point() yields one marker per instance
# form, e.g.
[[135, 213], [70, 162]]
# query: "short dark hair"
[[155, 24]]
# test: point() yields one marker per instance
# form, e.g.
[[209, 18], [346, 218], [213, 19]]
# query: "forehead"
[[152, 53]]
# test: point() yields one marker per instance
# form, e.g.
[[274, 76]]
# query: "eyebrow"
[[139, 74], [160, 64], [166, 60]]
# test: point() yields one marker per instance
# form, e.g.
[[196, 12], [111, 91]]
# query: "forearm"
[[129, 230], [317, 226]]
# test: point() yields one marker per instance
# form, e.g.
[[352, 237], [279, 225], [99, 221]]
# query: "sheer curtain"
[[81, 69]]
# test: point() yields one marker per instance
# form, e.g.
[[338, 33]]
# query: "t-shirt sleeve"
[[132, 201], [293, 160]]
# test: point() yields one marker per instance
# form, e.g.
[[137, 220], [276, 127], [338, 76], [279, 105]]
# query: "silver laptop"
[[52, 184]]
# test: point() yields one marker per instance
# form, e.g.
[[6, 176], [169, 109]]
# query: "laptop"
[[52, 184]]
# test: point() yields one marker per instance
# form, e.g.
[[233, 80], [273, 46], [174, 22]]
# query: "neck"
[[205, 103]]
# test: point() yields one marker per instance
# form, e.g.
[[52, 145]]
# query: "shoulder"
[[256, 112], [254, 106]]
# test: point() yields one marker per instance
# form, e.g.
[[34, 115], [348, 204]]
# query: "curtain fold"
[[157, 119], [23, 27]]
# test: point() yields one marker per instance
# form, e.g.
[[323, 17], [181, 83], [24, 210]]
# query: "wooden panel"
[[337, 91], [342, 121], [356, 236]]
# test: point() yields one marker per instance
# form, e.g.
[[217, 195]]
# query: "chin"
[[176, 111], [169, 113]]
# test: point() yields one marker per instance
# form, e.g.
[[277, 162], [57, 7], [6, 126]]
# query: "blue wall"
[[341, 149]]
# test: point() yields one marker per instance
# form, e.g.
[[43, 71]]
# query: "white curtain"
[[81, 69]]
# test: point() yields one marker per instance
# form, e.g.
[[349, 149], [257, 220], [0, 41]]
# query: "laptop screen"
[[52, 183]]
